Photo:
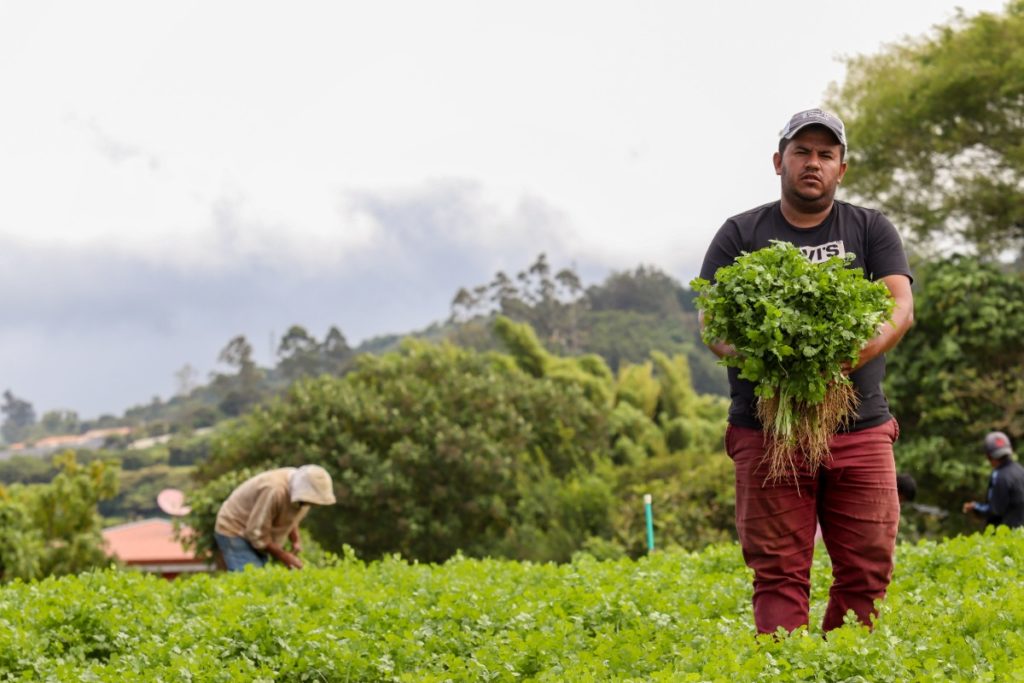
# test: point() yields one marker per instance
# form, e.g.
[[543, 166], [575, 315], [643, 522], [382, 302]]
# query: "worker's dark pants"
[[238, 552], [853, 497]]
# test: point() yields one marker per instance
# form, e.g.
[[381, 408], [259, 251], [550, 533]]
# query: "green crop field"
[[955, 612]]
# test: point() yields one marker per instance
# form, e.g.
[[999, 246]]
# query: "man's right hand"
[[283, 556], [969, 506], [291, 561]]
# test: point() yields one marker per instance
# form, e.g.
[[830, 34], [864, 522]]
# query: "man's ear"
[[777, 161]]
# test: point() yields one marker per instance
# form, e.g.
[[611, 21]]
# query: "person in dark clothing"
[[853, 497], [906, 487], [1004, 503]]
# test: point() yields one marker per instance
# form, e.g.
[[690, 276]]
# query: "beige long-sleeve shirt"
[[260, 510]]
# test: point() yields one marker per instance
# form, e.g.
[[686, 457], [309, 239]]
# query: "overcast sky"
[[173, 174]]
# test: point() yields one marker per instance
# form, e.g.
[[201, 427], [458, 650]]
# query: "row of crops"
[[955, 613]]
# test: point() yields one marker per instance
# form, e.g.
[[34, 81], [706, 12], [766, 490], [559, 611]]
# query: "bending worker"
[[1005, 501], [266, 509]]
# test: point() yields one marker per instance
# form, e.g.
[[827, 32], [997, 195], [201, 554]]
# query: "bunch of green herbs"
[[794, 324]]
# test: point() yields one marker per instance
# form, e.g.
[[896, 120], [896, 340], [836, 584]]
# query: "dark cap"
[[997, 445], [815, 117]]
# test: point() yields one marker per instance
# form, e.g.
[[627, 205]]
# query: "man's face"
[[811, 168]]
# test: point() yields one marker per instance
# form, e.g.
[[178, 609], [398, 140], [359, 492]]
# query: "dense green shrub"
[[54, 528], [188, 450], [431, 448], [26, 469], [436, 449], [957, 374], [139, 458]]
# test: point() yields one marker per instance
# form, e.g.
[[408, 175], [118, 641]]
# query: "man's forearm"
[[722, 349], [902, 318]]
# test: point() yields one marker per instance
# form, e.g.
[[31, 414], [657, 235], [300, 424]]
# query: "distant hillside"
[[622, 319]]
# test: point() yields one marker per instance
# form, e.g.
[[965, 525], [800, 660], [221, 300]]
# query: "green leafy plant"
[[953, 613], [794, 324], [54, 528]]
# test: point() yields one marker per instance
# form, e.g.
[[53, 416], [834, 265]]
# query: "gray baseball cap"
[[815, 117], [997, 445]]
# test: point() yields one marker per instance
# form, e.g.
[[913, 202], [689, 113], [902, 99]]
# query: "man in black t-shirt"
[[853, 495]]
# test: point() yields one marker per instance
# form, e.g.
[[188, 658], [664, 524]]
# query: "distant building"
[[150, 545], [150, 441], [92, 440]]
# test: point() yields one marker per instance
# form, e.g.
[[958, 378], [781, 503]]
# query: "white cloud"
[[196, 136], [96, 330]]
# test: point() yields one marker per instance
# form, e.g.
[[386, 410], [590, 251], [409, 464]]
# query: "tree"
[[936, 129], [19, 416], [550, 304], [243, 390], [187, 379], [298, 354], [623, 319], [238, 354], [433, 449], [958, 373], [21, 545], [58, 422], [335, 351], [65, 511], [645, 289], [302, 356], [54, 528]]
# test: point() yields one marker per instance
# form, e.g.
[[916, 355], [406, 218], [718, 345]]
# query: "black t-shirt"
[[847, 229]]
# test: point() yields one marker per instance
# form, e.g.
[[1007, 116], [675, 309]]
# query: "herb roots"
[[794, 429]]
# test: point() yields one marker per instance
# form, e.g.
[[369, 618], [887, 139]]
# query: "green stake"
[[650, 522]]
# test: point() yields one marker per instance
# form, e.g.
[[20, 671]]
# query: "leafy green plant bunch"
[[794, 324]]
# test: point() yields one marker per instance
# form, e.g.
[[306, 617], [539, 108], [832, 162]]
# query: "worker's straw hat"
[[311, 484]]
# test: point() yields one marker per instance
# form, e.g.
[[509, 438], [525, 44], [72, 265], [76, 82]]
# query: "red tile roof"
[[150, 541]]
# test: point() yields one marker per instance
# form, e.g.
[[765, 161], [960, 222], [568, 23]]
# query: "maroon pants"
[[853, 497]]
